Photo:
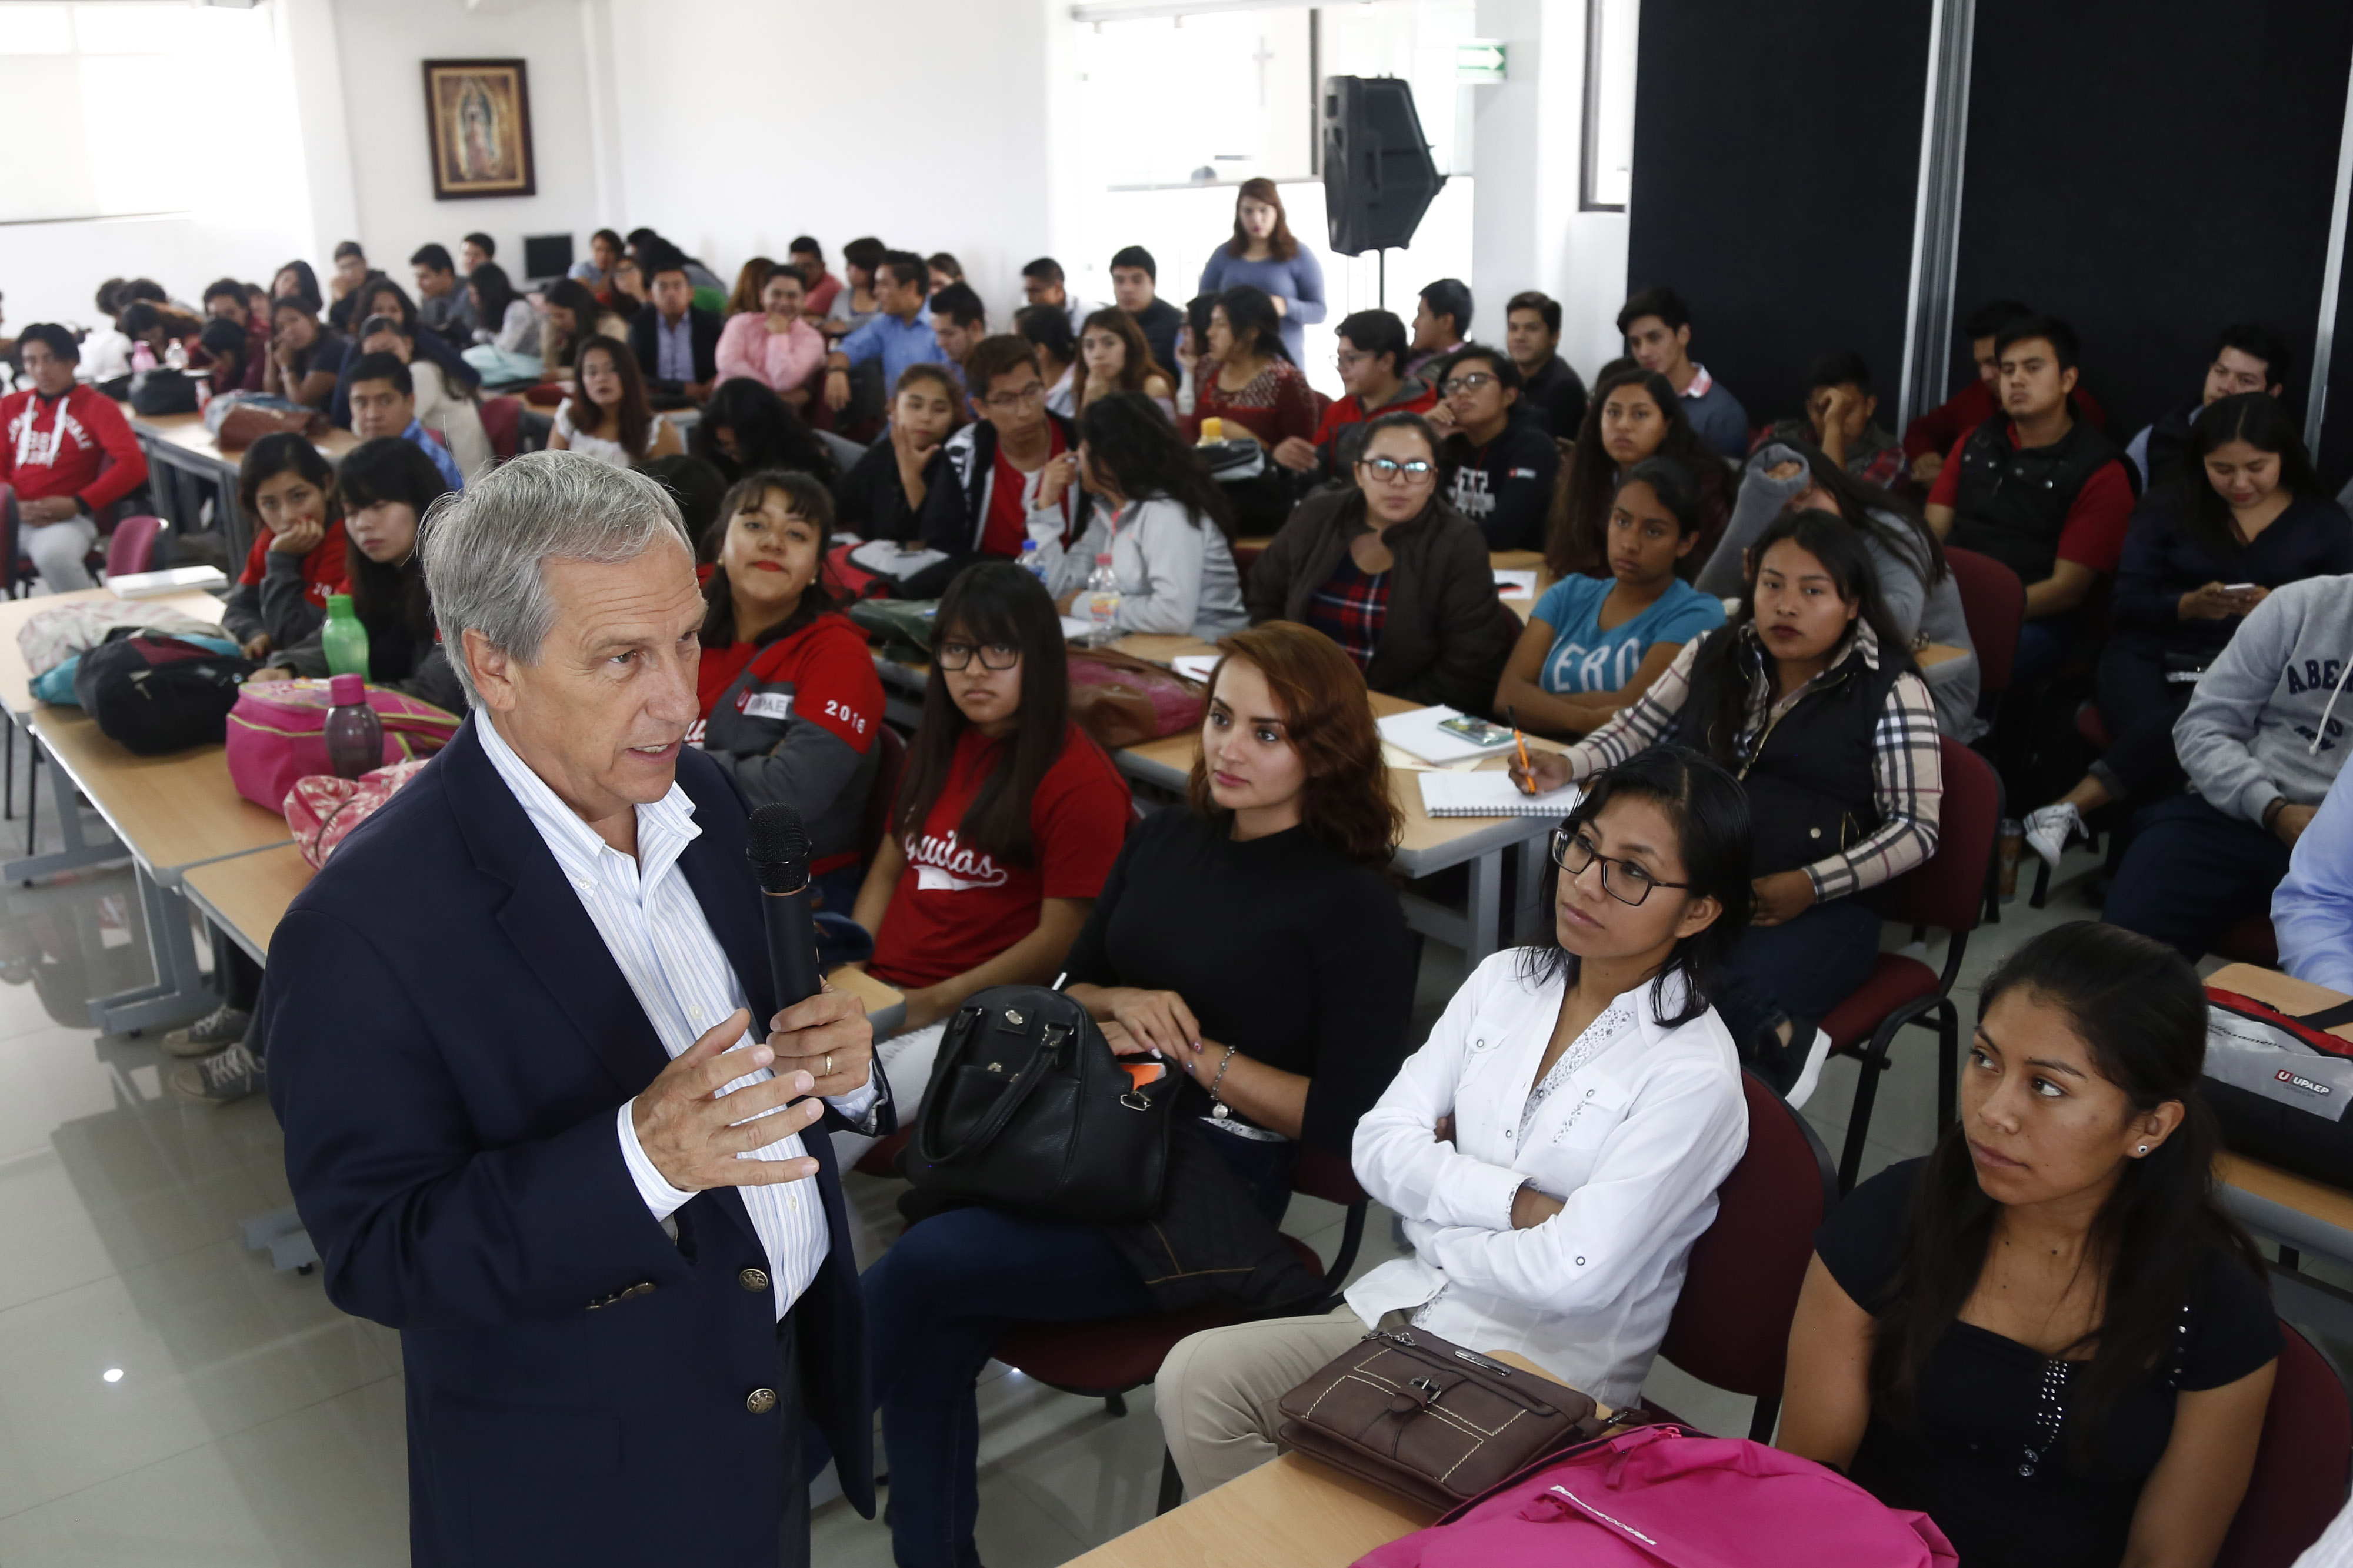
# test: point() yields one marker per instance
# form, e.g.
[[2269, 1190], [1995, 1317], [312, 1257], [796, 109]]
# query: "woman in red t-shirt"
[[790, 700], [297, 560], [1251, 386]]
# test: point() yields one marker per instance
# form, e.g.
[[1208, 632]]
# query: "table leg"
[[1530, 919], [1483, 909], [179, 993], [77, 852]]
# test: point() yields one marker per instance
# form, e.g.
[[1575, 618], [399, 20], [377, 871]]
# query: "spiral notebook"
[[1490, 793]]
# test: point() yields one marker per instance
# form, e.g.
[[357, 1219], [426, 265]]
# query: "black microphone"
[[780, 851]]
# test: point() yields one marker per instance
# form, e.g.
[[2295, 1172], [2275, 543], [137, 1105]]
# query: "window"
[[1194, 101], [103, 101], [1608, 173], [1416, 42]]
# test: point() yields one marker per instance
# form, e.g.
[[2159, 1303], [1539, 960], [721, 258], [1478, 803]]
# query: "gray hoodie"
[[2269, 718]]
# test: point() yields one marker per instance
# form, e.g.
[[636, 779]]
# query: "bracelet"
[[1217, 1107]]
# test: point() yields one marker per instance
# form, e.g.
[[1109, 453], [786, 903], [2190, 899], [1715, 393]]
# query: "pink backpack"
[[277, 735], [1658, 1497]]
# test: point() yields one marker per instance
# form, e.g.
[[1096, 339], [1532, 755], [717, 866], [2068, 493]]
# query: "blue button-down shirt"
[[674, 347], [896, 343], [451, 475]]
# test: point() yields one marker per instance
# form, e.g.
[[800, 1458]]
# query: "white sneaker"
[[2049, 827], [1810, 1074]]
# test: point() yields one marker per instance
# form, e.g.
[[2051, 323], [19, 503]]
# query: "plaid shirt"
[[1907, 768], [1350, 608]]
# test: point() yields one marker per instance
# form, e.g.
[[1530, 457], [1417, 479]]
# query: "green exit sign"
[[1481, 60]]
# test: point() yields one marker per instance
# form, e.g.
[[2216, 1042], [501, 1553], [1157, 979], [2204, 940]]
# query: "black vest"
[[1808, 778], [2012, 503]]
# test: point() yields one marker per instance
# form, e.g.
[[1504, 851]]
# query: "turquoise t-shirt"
[[1584, 657]]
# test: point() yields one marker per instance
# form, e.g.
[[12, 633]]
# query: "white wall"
[[383, 44], [927, 123], [1529, 232]]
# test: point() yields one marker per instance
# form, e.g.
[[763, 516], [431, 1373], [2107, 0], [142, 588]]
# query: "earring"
[[2143, 1149]]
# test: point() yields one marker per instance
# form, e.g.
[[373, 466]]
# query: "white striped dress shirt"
[[657, 933]]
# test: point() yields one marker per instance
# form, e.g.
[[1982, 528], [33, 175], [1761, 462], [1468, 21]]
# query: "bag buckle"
[[1135, 1101]]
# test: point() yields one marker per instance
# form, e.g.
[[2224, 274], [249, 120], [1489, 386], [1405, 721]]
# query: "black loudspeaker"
[[1378, 175]]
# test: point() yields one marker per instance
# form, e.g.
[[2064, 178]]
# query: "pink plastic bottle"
[[354, 734]]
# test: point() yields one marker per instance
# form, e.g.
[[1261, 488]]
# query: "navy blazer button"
[[760, 1400], [753, 1279]]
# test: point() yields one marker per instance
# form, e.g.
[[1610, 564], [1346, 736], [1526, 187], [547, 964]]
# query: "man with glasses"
[[899, 333], [1017, 460], [1372, 348], [1503, 464]]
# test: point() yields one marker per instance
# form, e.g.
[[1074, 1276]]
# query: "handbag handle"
[[1051, 1040]]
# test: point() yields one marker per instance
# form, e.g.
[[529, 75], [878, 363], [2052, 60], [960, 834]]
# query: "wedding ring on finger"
[[829, 1064]]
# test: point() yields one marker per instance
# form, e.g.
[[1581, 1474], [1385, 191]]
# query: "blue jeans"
[[2192, 874], [1799, 971]]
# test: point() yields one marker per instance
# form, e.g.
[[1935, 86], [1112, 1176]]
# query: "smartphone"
[[1478, 731], [1142, 1070], [2235, 589]]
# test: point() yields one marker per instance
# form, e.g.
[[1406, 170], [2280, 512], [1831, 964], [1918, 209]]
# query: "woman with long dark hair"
[[573, 316], [1248, 941], [387, 486], [1554, 1148], [611, 420], [381, 297], [2048, 1335], [1634, 414], [1250, 382], [1923, 602], [1159, 518], [287, 486], [2244, 514], [1113, 357], [508, 321], [881, 494], [298, 279], [790, 700], [1811, 699], [1265, 254], [746, 428]]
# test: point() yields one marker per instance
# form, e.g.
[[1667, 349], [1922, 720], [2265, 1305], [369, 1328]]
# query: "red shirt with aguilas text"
[[957, 907], [323, 572], [1008, 498]]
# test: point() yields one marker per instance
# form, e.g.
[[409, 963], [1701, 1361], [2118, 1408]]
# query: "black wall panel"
[[2151, 170], [1776, 156]]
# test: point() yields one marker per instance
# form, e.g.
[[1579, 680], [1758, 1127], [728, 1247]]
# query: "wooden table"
[[2301, 1214], [885, 1004], [1295, 1512], [184, 461]]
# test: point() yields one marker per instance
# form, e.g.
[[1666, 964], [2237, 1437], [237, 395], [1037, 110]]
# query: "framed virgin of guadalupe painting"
[[478, 118]]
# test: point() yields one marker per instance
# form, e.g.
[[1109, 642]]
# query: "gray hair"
[[484, 548]]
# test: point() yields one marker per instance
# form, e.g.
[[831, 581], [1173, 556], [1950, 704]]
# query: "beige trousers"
[[1217, 1391]]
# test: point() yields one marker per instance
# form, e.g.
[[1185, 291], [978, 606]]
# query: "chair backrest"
[[2302, 1462], [502, 423], [1731, 1324], [1948, 890], [876, 820], [132, 547], [1993, 602]]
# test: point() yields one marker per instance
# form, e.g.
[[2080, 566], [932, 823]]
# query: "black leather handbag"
[[1028, 1110]]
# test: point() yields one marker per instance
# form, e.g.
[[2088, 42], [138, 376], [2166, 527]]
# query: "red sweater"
[[56, 447]]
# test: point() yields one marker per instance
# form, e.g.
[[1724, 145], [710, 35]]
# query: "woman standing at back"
[[1265, 254]]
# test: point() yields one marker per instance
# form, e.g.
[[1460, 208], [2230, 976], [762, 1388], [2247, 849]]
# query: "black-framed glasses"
[[1470, 381], [1389, 471], [1621, 879], [1006, 402], [993, 656]]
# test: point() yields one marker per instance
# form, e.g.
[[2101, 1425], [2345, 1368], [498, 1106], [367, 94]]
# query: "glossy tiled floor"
[[166, 1399]]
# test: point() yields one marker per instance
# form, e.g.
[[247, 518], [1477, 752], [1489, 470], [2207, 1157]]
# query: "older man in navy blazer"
[[509, 1033]]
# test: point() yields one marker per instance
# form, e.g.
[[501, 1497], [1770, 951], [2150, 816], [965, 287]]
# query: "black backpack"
[[158, 694], [163, 392]]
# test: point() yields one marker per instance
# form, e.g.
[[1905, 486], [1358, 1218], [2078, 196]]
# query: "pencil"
[[1528, 769]]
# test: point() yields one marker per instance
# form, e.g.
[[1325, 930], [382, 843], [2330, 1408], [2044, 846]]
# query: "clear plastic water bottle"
[[354, 734], [1031, 561], [1103, 598], [176, 354]]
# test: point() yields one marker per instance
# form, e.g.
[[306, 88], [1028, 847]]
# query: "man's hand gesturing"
[[692, 1133]]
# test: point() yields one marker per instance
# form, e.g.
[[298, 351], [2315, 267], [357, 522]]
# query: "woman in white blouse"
[[1554, 1148]]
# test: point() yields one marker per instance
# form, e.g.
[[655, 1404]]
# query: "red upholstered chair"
[[2302, 1463], [502, 423], [1108, 1359], [1731, 1324], [1993, 602], [131, 547], [1949, 891]]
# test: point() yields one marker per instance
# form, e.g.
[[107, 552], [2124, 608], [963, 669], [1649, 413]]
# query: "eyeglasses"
[[1472, 381], [993, 656], [1621, 879], [1349, 359], [1389, 471], [1006, 402]]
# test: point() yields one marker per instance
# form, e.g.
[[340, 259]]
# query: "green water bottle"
[[345, 638]]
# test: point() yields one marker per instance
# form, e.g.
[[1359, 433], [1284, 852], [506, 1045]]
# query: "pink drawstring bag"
[[1659, 1497], [277, 734], [321, 809]]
